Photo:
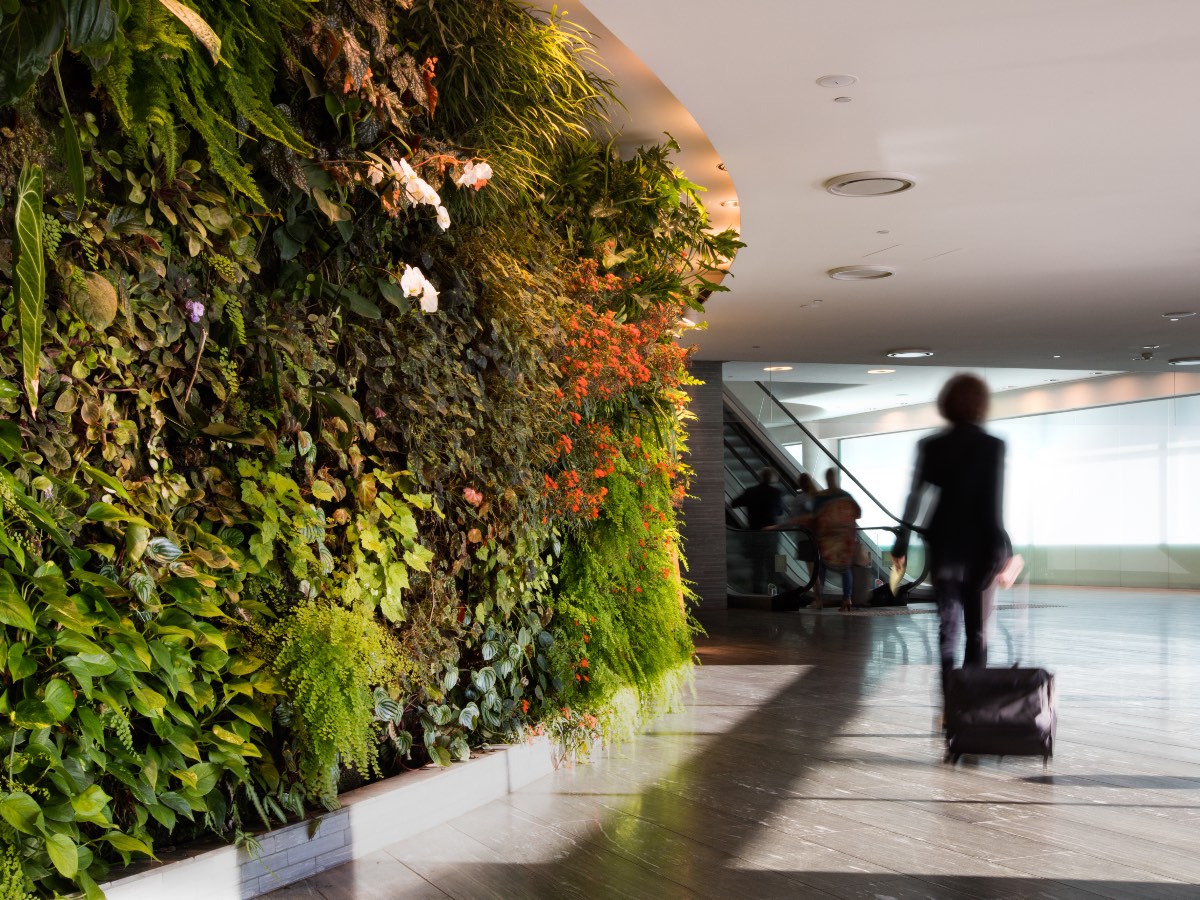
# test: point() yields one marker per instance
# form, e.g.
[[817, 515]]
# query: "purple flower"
[[194, 309]]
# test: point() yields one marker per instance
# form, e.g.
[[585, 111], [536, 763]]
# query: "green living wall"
[[341, 409]]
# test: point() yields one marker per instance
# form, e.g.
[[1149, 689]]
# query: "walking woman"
[[965, 536]]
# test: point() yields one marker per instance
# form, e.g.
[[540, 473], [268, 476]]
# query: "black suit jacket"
[[966, 466]]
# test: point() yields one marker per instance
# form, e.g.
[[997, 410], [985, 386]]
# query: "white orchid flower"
[[401, 170], [412, 282], [374, 175], [443, 217], [429, 297], [428, 194], [474, 175]]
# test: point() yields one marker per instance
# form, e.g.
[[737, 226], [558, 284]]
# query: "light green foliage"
[[518, 91], [329, 661], [127, 706], [621, 614]]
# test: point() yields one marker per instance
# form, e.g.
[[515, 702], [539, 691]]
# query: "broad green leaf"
[[333, 210], [90, 804], [340, 405], [468, 716], [197, 26], [249, 714], [163, 550], [105, 480], [71, 139], [21, 812], [485, 679], [142, 586], [33, 714], [321, 490], [128, 844], [21, 665], [28, 38], [106, 512], [13, 608], [10, 438], [164, 815], [360, 304], [64, 854], [90, 22], [460, 748], [60, 699], [29, 273], [440, 755]]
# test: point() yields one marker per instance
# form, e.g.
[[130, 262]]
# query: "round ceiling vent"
[[869, 184], [861, 273], [837, 80]]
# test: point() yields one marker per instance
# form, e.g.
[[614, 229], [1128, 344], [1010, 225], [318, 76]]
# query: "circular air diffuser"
[[869, 184], [861, 273]]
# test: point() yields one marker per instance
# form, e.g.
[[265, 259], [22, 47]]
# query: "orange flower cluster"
[[605, 361]]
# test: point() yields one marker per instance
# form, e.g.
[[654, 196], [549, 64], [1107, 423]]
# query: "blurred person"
[[835, 521], [765, 506], [965, 537]]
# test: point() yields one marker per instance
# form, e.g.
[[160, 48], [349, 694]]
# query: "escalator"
[[776, 569]]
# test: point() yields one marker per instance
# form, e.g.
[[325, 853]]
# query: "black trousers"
[[962, 607]]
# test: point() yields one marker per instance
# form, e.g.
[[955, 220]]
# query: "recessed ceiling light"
[[1176, 316], [837, 80], [869, 184], [777, 368], [1185, 361], [1151, 346], [842, 99], [1056, 356], [860, 273], [909, 354], [883, 231], [880, 371], [732, 204]]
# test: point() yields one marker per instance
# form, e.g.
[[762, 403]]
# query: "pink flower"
[[473, 496]]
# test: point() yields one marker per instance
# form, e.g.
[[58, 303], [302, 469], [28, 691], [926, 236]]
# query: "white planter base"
[[369, 819]]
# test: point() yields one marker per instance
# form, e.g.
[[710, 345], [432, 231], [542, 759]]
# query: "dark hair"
[[767, 475], [964, 400]]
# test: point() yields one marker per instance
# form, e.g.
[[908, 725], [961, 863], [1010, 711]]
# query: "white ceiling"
[[1056, 214]]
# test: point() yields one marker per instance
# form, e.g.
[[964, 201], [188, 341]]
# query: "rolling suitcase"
[[1005, 712]]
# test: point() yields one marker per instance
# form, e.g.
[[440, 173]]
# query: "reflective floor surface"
[[806, 765]]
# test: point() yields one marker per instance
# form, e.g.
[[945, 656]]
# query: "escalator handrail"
[[837, 462], [905, 587]]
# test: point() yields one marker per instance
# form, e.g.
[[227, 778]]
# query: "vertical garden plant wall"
[[341, 410]]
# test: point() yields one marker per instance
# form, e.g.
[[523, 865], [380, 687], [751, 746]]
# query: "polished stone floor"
[[805, 765]]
